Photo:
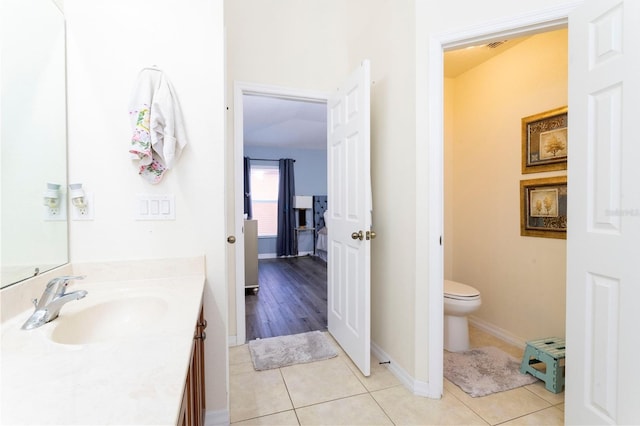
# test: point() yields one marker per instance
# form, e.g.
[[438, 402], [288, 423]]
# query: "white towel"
[[157, 125]]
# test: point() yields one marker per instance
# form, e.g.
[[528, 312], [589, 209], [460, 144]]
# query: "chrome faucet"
[[52, 300]]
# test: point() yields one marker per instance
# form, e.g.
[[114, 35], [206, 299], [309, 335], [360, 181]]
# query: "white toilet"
[[459, 301]]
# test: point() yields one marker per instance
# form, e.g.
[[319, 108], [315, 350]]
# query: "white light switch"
[[144, 207], [155, 207]]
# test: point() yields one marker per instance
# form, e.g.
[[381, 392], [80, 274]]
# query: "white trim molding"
[[498, 332], [241, 88]]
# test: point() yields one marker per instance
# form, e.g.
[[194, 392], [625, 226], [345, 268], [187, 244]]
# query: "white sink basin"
[[109, 320]]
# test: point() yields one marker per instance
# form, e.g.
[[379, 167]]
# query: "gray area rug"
[[276, 352], [484, 371]]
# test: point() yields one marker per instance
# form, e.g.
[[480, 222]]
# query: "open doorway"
[[516, 276], [494, 32], [289, 295]]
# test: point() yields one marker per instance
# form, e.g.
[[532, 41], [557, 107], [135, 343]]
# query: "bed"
[[319, 210]]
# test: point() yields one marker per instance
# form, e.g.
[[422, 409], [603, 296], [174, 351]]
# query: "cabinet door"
[[193, 406]]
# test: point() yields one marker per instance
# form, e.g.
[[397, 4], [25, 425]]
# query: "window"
[[264, 198]]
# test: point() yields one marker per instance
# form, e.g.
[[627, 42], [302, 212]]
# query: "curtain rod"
[[264, 159]]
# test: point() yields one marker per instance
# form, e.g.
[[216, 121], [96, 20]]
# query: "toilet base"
[[456, 333]]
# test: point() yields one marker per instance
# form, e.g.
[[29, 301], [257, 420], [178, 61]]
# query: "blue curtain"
[[286, 215], [247, 188]]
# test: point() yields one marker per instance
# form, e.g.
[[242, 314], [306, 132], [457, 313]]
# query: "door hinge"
[[440, 239]]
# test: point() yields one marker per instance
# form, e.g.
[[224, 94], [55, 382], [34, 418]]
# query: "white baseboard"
[[417, 387], [496, 331], [217, 418], [274, 256], [267, 256]]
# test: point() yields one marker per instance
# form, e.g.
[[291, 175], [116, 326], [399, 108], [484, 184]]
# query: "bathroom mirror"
[[33, 138]]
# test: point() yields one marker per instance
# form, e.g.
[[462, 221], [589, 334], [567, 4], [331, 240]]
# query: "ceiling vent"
[[496, 44]]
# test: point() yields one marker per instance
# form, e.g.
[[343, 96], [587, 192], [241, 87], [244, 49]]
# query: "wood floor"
[[292, 298]]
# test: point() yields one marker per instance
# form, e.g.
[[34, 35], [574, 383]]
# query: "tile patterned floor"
[[334, 392]]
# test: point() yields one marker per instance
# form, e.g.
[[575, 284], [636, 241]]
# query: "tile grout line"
[[293, 407]]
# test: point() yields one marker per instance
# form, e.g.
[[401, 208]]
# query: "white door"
[[349, 194], [603, 276]]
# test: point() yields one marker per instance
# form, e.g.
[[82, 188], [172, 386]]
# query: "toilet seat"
[[458, 291]]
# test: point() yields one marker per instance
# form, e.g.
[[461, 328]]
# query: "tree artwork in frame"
[[543, 207], [545, 141]]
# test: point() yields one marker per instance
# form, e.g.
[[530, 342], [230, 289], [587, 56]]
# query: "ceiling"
[[459, 61], [284, 123], [290, 123]]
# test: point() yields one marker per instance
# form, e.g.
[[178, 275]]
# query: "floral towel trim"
[[151, 167]]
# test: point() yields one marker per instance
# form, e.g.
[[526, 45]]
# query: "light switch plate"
[[155, 207]]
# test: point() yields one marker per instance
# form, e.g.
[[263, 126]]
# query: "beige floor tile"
[[257, 393], [286, 418], [239, 354], [502, 406], [320, 381], [244, 367], [539, 389], [335, 392], [407, 409], [355, 410], [240, 360], [380, 377], [549, 417]]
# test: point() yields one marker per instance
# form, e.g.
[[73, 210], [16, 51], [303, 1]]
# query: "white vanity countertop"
[[130, 374]]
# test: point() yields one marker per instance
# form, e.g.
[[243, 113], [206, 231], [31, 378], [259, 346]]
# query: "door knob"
[[231, 239], [357, 235], [371, 235]]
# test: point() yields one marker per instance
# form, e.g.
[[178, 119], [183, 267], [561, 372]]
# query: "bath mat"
[[484, 371], [282, 351]]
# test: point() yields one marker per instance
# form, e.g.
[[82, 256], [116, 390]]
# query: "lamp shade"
[[302, 202]]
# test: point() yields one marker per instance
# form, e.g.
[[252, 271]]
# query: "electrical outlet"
[[56, 214], [86, 212]]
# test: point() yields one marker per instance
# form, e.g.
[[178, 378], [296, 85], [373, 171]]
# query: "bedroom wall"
[[518, 277], [310, 171]]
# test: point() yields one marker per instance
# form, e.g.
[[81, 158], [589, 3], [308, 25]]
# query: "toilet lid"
[[456, 290]]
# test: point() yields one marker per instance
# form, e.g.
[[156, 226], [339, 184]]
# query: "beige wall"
[[521, 279], [108, 43]]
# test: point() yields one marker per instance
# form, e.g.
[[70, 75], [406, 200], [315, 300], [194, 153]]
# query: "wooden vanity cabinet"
[[193, 406]]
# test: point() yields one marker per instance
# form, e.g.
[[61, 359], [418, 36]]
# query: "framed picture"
[[543, 207], [545, 141]]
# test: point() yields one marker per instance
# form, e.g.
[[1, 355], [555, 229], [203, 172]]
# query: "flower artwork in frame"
[[545, 141], [543, 207]]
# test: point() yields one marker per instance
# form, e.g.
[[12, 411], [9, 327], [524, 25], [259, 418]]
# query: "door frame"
[[549, 19], [240, 89]]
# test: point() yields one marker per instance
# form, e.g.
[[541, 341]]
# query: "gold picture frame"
[[543, 207], [545, 141]]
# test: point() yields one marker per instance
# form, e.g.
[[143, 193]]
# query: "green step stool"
[[549, 351]]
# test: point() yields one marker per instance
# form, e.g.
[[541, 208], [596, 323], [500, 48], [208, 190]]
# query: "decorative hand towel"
[[157, 124]]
